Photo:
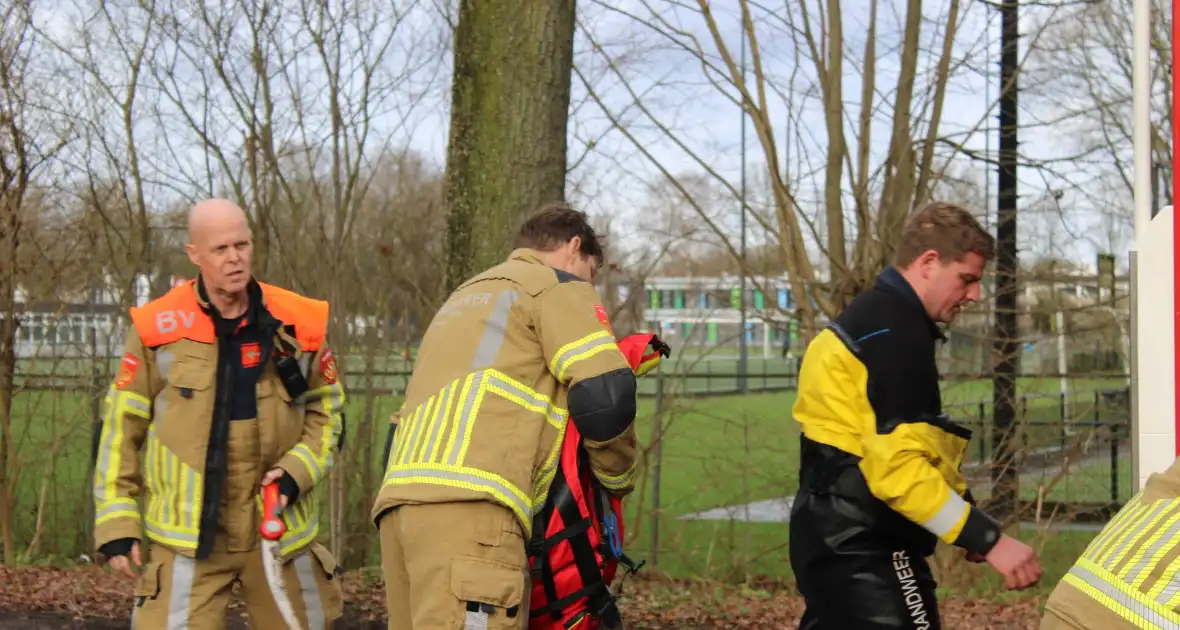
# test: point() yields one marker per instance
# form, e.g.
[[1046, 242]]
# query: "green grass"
[[716, 451]]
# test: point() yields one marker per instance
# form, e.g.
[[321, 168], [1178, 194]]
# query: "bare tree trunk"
[[9, 225], [509, 107], [15, 172]]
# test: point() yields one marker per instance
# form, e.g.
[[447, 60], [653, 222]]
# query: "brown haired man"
[[879, 480], [512, 354]]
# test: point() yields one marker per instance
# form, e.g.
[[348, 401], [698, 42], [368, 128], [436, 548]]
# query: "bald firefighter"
[[226, 384], [512, 355], [879, 480], [1127, 576]]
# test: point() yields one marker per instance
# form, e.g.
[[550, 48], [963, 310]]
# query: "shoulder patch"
[[127, 369], [328, 366], [565, 276], [603, 318]]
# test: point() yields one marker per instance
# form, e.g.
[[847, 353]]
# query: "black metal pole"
[[1004, 477]]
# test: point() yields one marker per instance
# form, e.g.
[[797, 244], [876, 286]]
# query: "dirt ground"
[[57, 621], [88, 598]]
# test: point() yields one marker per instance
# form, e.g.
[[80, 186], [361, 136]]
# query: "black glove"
[[288, 487], [118, 547], [659, 346]]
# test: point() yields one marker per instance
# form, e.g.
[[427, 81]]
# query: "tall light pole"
[[742, 367]]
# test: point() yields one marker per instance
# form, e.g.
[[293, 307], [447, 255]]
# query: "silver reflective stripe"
[[472, 482], [1132, 537], [555, 415], [136, 405], [946, 517], [1169, 591], [1141, 615], [103, 469], [164, 360], [464, 419], [182, 590], [171, 535], [476, 621], [310, 591], [493, 332], [571, 356], [1155, 551]]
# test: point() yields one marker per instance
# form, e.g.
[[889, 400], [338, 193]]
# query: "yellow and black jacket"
[[874, 435]]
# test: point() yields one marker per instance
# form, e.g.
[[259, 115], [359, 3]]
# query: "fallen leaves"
[[649, 603]]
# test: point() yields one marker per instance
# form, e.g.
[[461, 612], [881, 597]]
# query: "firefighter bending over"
[[879, 480], [225, 384], [1126, 578], [512, 354]]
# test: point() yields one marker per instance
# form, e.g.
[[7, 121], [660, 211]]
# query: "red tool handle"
[[272, 527]]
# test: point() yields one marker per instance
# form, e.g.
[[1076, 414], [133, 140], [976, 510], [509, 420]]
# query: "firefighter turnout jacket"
[[873, 430], [173, 401], [512, 355], [1127, 576]]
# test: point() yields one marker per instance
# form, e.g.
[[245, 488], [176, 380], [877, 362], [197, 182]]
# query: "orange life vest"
[[577, 536]]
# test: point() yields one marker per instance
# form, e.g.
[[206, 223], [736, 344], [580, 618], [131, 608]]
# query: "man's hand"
[[123, 564], [273, 476], [1016, 561]]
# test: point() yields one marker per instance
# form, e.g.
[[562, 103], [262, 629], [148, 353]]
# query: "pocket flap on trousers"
[[487, 582], [148, 582]]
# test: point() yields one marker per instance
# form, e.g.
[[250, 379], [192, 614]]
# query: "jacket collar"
[[527, 255], [255, 300], [891, 280]]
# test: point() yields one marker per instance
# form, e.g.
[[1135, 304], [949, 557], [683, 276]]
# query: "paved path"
[[779, 510]]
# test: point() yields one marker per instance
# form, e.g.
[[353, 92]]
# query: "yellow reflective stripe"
[[171, 536], [579, 350], [175, 492], [437, 403], [1132, 537], [302, 452], [511, 389], [1100, 541], [110, 455], [1116, 530], [174, 480], [1149, 548], [331, 400], [1108, 590], [466, 397], [423, 428], [402, 436], [619, 482], [118, 508], [464, 423], [444, 416], [466, 478], [548, 471], [467, 422], [302, 520]]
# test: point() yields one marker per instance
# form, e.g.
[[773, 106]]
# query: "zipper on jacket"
[[215, 454]]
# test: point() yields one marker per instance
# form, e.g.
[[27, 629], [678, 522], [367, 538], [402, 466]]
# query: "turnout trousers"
[[454, 566], [851, 580], [176, 592]]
